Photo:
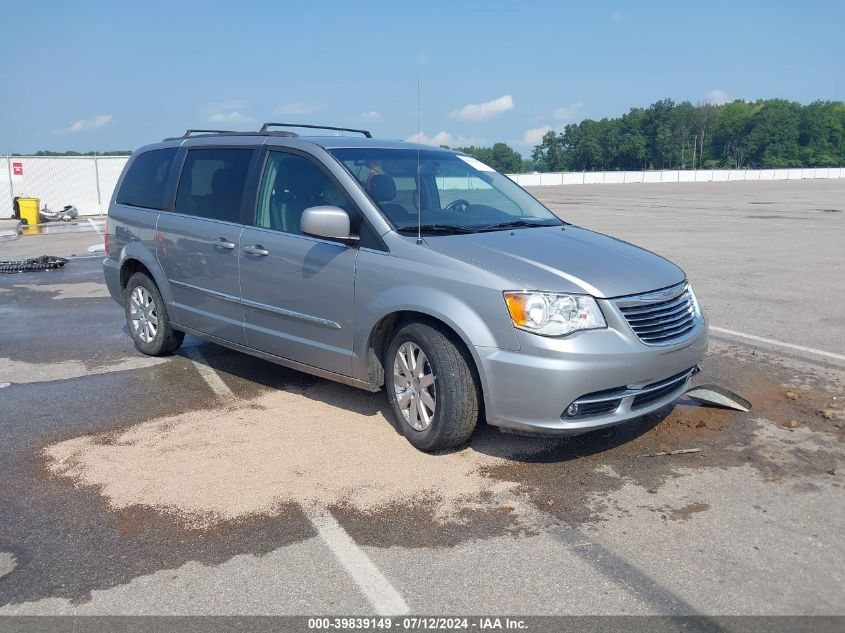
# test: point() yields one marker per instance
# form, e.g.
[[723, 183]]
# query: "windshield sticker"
[[475, 163]]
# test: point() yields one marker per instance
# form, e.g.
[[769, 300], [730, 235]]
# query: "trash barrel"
[[29, 210]]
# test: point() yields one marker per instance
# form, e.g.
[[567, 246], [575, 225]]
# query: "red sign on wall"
[[17, 169]]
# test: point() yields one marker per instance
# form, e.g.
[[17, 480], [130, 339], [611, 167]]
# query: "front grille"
[[659, 389], [609, 400], [660, 317]]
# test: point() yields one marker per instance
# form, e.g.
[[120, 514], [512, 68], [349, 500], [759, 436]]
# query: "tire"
[[150, 328], [453, 388]]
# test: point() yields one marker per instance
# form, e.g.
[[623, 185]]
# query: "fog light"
[[572, 410]]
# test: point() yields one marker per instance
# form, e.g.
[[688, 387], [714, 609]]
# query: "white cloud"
[[228, 117], [372, 115], [297, 108], [616, 17], [567, 113], [84, 125], [717, 97], [482, 111], [534, 136], [231, 111], [443, 138]]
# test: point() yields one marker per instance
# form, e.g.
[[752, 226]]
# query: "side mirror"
[[331, 223]]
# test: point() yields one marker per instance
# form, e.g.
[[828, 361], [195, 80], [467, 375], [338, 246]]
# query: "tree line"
[[762, 134], [767, 133]]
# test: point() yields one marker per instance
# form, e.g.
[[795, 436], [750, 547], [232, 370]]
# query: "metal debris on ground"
[[718, 396], [680, 451], [33, 264]]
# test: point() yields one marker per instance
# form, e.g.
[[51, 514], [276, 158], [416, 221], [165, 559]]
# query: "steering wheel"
[[458, 205]]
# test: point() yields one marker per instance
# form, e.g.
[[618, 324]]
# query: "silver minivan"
[[385, 264]]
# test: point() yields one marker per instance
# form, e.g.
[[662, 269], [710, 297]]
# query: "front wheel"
[[431, 388], [147, 318]]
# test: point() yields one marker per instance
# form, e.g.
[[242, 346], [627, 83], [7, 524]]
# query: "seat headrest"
[[224, 181], [382, 188]]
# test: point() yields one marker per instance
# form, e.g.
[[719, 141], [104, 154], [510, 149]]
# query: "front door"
[[198, 244], [297, 291]]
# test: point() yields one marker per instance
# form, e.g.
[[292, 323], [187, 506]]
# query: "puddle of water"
[[21, 372], [83, 290]]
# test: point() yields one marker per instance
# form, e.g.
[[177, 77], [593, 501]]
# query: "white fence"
[[675, 175], [88, 182]]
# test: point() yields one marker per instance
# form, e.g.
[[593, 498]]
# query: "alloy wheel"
[[143, 314], [413, 383]]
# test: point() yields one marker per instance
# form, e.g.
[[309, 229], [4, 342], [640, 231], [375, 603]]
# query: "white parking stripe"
[[800, 348], [208, 374], [96, 228], [372, 583]]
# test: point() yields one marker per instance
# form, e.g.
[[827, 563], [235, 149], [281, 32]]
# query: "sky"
[[88, 75]]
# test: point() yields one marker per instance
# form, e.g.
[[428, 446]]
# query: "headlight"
[[553, 314]]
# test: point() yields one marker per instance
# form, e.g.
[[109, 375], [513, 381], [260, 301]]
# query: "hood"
[[571, 260]]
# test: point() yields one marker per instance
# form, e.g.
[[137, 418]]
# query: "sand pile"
[[325, 446]]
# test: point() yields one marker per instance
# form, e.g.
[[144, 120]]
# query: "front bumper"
[[611, 372]]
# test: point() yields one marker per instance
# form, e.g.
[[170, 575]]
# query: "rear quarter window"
[[145, 182], [212, 183]]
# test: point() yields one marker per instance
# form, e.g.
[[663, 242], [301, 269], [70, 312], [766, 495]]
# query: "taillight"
[[106, 237]]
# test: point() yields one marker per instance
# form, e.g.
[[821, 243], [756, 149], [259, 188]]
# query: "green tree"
[[549, 154], [500, 157], [669, 135]]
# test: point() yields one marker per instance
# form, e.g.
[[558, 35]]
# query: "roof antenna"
[[419, 181]]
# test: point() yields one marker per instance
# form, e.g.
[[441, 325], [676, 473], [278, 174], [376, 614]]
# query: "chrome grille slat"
[[644, 325], [664, 324], [669, 336], [657, 311], [648, 309], [669, 328], [660, 317]]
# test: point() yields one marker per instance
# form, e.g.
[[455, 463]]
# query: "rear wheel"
[[147, 318], [430, 387]]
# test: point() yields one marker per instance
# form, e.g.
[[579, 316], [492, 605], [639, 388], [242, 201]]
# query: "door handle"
[[222, 242], [256, 249]]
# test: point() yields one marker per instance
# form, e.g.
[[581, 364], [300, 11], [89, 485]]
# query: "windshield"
[[455, 193]]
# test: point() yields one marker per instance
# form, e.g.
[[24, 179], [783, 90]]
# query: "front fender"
[[462, 316]]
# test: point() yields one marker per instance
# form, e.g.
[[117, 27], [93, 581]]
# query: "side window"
[[291, 184], [212, 183], [146, 179]]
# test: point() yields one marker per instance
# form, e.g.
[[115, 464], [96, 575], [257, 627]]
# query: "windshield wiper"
[[514, 224], [437, 228]]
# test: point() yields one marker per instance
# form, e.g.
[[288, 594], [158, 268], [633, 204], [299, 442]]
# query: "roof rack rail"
[[189, 132], [317, 127]]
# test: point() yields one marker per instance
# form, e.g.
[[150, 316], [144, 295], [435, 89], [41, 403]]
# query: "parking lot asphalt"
[[211, 482]]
